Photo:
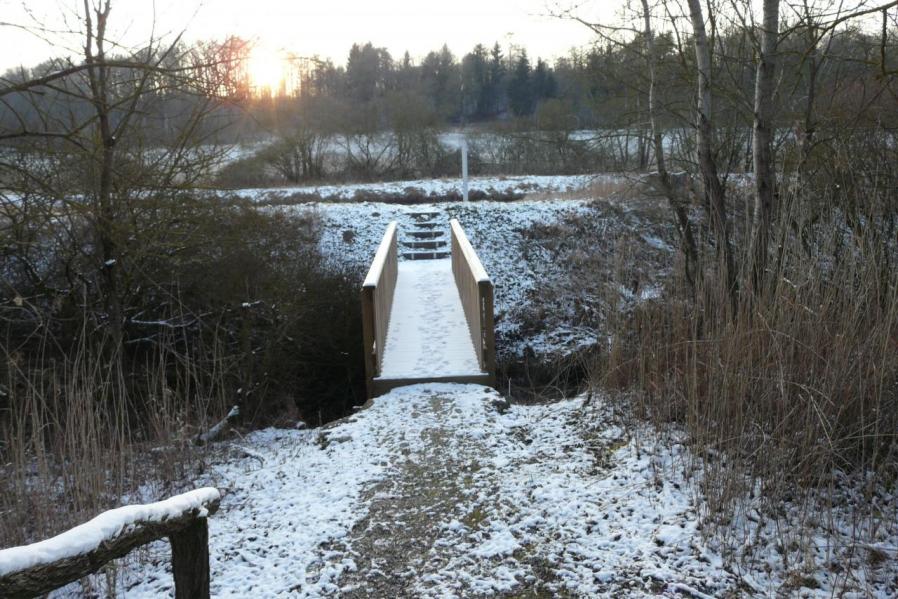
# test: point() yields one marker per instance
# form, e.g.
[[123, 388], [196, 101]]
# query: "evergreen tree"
[[495, 97], [544, 84], [475, 83], [369, 72], [520, 87], [406, 74], [441, 81]]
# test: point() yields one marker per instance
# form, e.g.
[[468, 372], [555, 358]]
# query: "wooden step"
[[423, 215], [425, 255], [426, 234], [425, 245]]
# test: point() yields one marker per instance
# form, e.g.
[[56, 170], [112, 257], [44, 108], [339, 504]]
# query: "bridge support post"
[[487, 330], [369, 339]]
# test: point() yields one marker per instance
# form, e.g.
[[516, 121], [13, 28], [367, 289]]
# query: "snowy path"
[[428, 334], [537, 501], [432, 492]]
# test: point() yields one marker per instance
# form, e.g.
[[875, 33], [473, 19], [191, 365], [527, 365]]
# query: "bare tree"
[[762, 140], [684, 227], [713, 188], [97, 121], [303, 137]]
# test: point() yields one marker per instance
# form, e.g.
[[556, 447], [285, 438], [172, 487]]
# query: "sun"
[[267, 69]]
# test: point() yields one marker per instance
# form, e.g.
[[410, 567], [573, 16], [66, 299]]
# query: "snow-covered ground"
[[424, 188], [351, 232], [446, 491], [526, 267]]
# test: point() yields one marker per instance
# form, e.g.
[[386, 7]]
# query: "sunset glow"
[[267, 69], [326, 30]]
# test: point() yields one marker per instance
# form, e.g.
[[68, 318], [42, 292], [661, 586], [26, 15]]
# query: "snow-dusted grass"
[[424, 187], [530, 274], [283, 497], [566, 501], [594, 510], [548, 258]]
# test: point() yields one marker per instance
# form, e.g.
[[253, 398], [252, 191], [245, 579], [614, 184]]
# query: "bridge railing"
[[41, 567], [476, 292], [377, 302]]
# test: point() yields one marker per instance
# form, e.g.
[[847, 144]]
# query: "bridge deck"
[[428, 337]]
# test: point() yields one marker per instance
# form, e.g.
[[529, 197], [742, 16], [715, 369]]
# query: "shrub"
[[224, 304], [250, 171]]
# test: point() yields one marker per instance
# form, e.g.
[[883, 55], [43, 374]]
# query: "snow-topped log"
[[38, 568], [219, 429]]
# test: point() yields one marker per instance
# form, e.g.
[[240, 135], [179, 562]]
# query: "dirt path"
[[487, 501], [401, 544]]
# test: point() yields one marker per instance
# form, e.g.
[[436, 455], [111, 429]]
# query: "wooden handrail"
[[377, 303], [476, 292], [41, 567]]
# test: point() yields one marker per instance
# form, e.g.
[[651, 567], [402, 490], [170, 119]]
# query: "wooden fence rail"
[[476, 292], [377, 303], [39, 568]]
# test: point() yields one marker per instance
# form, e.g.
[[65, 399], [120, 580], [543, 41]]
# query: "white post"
[[464, 169]]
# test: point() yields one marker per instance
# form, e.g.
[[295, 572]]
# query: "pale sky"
[[324, 27]]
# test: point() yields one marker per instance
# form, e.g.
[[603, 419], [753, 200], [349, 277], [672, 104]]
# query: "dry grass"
[[796, 388], [79, 437], [602, 187], [231, 305]]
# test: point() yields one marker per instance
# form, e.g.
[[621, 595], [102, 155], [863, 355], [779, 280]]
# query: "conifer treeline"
[[484, 84]]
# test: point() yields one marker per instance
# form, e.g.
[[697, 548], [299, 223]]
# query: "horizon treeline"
[[598, 86], [601, 86], [486, 83]]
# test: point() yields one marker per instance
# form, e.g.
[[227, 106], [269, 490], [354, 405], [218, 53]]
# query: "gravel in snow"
[[444, 490]]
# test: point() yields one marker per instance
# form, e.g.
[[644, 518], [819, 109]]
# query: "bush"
[[224, 304], [251, 171]]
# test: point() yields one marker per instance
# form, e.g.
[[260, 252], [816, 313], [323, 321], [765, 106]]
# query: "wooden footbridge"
[[429, 316]]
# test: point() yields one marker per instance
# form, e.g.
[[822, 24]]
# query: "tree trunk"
[[713, 189], [810, 124], [809, 127], [106, 209], [762, 143], [684, 227]]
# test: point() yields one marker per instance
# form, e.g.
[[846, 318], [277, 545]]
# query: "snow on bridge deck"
[[428, 336], [427, 312]]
